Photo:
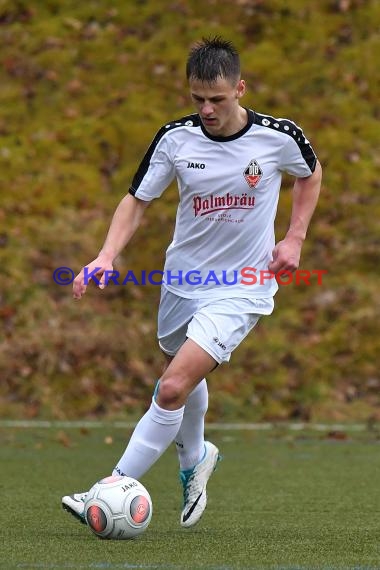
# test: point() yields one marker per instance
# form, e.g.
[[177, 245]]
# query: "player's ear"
[[240, 88]]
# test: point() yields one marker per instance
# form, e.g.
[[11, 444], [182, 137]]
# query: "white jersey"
[[228, 195]]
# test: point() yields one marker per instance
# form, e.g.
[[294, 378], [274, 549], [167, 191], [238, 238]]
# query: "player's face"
[[218, 105]]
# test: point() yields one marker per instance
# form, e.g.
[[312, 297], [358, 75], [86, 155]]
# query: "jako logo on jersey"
[[203, 206], [253, 173], [196, 165]]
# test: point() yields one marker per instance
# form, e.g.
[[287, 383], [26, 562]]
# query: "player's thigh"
[[189, 366]]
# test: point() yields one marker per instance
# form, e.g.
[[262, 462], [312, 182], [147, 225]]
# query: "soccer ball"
[[118, 507]]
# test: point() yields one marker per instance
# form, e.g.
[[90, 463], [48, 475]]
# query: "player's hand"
[[286, 255], [94, 271]]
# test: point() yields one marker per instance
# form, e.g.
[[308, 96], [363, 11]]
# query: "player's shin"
[[151, 437], [190, 437]]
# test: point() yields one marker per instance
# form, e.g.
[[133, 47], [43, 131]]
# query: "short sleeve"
[[155, 172], [298, 157]]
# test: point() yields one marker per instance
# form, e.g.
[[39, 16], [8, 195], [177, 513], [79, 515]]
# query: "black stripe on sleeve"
[[294, 131], [189, 120]]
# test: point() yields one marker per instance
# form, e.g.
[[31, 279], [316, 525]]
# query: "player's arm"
[[287, 252], [125, 221]]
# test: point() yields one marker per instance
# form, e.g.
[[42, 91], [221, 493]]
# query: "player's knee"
[[170, 395]]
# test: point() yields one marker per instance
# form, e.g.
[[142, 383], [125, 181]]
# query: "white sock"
[[151, 437], [190, 437]]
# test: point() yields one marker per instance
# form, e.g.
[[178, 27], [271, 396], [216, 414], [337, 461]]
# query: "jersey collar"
[[235, 135]]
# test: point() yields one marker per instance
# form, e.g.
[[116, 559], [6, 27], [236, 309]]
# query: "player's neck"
[[237, 123]]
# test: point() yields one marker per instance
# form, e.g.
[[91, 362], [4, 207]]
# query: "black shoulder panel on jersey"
[[187, 121], [294, 131]]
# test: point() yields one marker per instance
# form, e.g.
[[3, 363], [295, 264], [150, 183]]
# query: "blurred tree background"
[[84, 86]]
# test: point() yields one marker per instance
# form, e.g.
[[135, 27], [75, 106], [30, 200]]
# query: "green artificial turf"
[[277, 500]]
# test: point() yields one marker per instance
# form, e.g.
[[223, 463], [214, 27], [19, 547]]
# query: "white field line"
[[84, 424]]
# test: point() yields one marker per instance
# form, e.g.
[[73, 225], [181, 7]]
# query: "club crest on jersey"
[[253, 173]]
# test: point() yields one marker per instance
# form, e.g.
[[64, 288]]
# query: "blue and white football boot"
[[194, 482], [74, 504]]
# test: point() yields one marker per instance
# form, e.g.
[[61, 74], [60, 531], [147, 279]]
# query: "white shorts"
[[216, 325]]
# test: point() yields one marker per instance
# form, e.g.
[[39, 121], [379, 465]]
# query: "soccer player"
[[219, 271]]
